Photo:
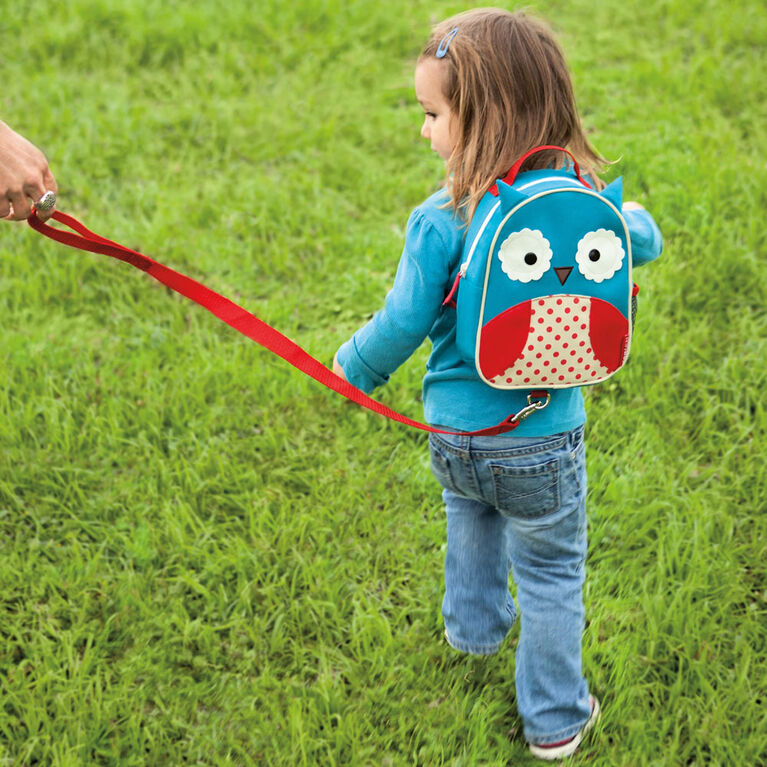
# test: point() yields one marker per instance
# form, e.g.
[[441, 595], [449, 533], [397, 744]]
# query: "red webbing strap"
[[511, 176], [235, 316], [450, 297]]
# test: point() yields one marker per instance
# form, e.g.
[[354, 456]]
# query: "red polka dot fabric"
[[558, 351]]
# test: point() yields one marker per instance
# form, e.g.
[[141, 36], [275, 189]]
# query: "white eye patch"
[[600, 255], [525, 255]]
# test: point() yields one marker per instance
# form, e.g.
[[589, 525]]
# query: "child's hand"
[[631, 205], [337, 369]]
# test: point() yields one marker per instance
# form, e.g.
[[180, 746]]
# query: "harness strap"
[[248, 324]]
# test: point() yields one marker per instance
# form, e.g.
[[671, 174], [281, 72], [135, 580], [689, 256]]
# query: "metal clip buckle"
[[531, 407]]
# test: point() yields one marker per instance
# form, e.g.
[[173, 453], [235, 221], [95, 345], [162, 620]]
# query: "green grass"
[[208, 559]]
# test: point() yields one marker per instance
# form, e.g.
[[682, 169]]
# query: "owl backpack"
[[544, 294]]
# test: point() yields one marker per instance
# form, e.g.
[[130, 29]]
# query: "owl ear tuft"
[[510, 197], [614, 192]]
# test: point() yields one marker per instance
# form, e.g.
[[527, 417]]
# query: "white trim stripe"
[[465, 265]]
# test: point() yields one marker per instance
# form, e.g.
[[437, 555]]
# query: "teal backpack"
[[544, 294]]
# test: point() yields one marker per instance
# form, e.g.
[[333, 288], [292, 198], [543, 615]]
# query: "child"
[[493, 85]]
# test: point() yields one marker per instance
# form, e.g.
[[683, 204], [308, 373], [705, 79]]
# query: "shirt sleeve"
[[411, 307], [646, 239]]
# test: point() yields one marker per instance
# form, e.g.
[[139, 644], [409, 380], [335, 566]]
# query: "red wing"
[[502, 340], [609, 333]]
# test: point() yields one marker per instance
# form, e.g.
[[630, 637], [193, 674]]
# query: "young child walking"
[[494, 85]]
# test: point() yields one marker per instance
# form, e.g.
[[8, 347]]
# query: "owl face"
[[557, 301]]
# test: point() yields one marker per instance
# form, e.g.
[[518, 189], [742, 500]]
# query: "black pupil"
[[530, 258], [594, 255]]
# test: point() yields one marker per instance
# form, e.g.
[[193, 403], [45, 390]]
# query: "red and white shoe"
[[552, 751]]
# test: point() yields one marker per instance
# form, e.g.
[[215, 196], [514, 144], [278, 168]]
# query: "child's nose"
[[425, 129]]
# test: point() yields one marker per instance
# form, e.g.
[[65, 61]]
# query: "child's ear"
[[510, 197], [614, 192]]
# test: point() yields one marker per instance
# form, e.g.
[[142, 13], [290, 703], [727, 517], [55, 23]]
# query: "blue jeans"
[[519, 504]]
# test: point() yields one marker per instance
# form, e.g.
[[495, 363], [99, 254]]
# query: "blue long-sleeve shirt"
[[453, 393]]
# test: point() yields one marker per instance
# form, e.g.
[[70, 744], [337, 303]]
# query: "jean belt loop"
[[572, 438]]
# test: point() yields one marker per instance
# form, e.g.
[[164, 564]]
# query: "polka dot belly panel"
[[554, 346]]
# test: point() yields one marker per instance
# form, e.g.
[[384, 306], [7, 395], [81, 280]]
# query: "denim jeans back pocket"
[[526, 491]]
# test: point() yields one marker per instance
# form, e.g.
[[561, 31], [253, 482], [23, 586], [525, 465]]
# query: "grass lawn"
[[207, 558]]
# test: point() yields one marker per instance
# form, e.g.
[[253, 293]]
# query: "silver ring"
[[47, 201]]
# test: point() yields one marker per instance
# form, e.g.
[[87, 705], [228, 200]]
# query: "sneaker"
[[563, 748]]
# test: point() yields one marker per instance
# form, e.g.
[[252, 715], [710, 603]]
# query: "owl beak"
[[563, 272]]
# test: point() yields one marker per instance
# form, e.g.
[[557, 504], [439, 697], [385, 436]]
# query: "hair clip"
[[445, 43]]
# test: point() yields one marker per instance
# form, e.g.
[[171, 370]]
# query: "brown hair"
[[509, 90]]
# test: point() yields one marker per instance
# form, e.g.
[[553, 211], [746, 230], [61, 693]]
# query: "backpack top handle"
[[510, 177]]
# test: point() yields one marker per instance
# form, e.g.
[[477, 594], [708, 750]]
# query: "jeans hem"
[[566, 734], [472, 649]]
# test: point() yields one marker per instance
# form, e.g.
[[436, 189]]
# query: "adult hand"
[[24, 176]]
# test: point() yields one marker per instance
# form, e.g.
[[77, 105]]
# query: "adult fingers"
[[22, 207], [16, 204], [34, 189], [49, 182]]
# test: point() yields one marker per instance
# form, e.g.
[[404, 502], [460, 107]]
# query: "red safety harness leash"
[[250, 325]]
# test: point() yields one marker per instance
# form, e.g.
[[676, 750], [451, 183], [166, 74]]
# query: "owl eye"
[[525, 255], [600, 255]]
